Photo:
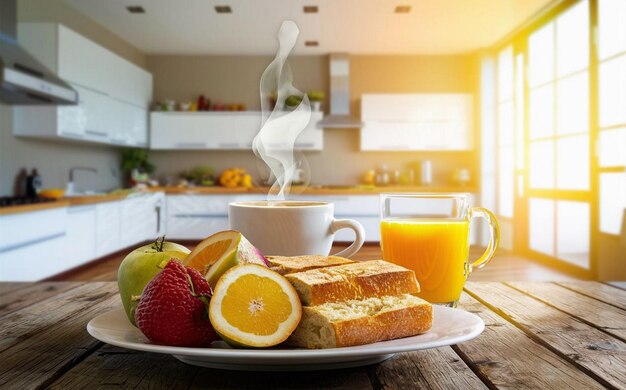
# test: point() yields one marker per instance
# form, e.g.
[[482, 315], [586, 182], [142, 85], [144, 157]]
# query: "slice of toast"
[[375, 278], [358, 322], [288, 265]]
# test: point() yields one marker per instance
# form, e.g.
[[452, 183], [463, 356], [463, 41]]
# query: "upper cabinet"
[[221, 130], [397, 122], [114, 94]]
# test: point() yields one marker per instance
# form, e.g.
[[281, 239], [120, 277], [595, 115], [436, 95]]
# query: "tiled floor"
[[504, 267]]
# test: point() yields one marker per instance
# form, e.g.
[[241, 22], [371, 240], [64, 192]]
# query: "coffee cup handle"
[[339, 224]]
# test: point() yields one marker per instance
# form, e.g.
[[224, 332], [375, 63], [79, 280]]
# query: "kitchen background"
[[489, 71]]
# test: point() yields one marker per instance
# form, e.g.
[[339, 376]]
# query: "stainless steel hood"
[[340, 117], [23, 79]]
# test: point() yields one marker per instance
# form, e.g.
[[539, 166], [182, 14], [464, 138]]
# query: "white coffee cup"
[[292, 228]]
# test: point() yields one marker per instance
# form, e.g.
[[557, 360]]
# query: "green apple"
[[140, 266]]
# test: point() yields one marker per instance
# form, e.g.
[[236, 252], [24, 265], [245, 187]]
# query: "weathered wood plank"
[[600, 291], [508, 358], [348, 379], [432, 369], [22, 297], [32, 320], [621, 285], [44, 340], [599, 314], [125, 369], [121, 368], [600, 354]]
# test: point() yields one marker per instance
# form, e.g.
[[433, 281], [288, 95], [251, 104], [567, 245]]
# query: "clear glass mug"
[[429, 234]]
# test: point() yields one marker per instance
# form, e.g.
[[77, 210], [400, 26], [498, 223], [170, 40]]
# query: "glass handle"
[[494, 239]]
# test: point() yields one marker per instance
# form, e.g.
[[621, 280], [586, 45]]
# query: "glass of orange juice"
[[429, 234]]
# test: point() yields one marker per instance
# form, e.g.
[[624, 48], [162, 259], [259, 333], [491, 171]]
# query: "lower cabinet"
[[32, 245], [108, 228], [80, 237], [141, 219], [194, 217]]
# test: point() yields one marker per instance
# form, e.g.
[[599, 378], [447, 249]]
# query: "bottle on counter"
[[426, 173], [382, 177], [33, 184], [19, 187]]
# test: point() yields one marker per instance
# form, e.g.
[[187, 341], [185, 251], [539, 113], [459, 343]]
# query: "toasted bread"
[[288, 265], [358, 322], [375, 278]]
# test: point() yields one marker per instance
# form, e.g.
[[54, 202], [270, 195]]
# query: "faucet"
[[70, 183]]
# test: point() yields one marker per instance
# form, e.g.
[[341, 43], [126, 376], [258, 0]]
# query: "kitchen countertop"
[[330, 190], [63, 202], [538, 335], [315, 190]]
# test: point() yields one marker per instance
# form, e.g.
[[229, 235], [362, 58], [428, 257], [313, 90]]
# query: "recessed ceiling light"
[[403, 9], [136, 9], [310, 9], [311, 43], [223, 9]]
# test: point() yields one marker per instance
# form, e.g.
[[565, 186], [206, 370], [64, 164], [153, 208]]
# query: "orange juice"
[[436, 249]]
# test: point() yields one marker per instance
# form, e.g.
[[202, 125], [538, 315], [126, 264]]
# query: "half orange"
[[253, 306], [221, 251]]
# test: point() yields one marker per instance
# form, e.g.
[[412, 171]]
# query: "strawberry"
[[173, 307]]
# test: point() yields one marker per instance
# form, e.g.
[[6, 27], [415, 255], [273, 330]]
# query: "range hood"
[[23, 79], [339, 117]]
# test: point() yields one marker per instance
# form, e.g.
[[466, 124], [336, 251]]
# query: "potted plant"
[[316, 98], [136, 165]]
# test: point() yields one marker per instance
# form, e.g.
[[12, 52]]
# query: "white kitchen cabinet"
[[126, 124], [141, 218], [220, 131], [198, 216], [397, 122], [33, 262], [80, 237], [32, 244], [114, 94], [107, 228]]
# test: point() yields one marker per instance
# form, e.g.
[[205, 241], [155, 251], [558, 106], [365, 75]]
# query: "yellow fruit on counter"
[[52, 193], [247, 181], [235, 177]]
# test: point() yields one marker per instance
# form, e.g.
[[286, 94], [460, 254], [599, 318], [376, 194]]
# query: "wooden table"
[[538, 335]]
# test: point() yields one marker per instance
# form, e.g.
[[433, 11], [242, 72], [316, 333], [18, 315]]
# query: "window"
[[612, 113], [559, 137], [506, 133]]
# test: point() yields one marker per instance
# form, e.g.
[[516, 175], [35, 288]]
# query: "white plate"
[[450, 326]]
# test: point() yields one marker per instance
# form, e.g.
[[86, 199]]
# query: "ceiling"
[[354, 26]]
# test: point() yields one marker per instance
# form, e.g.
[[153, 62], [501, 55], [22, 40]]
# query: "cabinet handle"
[[191, 145], [304, 145], [80, 209], [158, 215], [96, 133], [31, 242], [71, 135]]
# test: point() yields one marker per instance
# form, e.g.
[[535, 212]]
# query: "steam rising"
[[280, 128]]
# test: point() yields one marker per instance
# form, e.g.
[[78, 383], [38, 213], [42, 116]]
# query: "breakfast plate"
[[450, 326]]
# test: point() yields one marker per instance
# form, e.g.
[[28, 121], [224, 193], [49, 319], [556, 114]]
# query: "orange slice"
[[217, 253], [253, 306]]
